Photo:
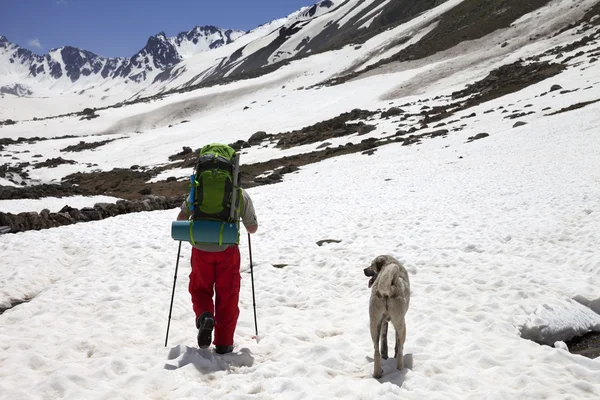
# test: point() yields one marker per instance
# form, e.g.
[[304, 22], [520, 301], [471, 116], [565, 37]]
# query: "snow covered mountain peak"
[[69, 64]]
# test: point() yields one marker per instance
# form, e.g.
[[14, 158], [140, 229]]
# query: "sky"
[[119, 28]]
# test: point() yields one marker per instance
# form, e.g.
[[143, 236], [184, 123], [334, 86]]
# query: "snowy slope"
[[179, 62], [215, 113], [487, 238], [311, 30], [499, 236]]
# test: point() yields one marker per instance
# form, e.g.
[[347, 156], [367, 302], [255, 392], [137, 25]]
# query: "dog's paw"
[[399, 364], [384, 355], [378, 374]]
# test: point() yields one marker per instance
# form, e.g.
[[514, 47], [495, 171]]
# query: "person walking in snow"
[[216, 271]]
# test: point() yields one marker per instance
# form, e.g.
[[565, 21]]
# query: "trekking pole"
[[253, 297], [173, 294]]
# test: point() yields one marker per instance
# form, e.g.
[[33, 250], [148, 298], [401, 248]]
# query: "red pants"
[[217, 272]]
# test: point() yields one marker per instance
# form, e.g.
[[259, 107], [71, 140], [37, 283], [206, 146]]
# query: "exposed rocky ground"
[[131, 184], [82, 145], [469, 20], [430, 121], [507, 79], [586, 345], [68, 215]]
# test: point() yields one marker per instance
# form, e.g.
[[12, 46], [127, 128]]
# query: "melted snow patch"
[[560, 320]]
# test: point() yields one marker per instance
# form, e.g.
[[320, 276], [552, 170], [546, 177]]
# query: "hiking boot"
[[223, 349], [205, 324]]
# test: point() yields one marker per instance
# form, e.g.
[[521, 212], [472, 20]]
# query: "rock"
[[66, 209], [365, 128], [288, 169], [275, 176], [323, 145], [91, 214], [81, 146], [519, 123], [258, 137], [61, 219], [477, 137], [392, 112], [324, 241], [146, 191], [555, 88], [53, 162], [240, 144], [171, 179]]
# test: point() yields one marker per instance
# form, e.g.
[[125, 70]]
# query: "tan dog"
[[390, 295]]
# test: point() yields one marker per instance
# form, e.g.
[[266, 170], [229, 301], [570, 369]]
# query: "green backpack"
[[215, 184]]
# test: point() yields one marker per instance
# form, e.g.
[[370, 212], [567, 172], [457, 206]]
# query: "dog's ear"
[[380, 262]]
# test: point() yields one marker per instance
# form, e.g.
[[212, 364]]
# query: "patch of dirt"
[[586, 345], [574, 107], [332, 128], [82, 145], [326, 241], [6, 170], [31, 140], [7, 122], [124, 183], [53, 163], [469, 20], [507, 79], [477, 137], [559, 50], [589, 20]]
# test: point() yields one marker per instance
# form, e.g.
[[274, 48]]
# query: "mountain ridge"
[[160, 52]]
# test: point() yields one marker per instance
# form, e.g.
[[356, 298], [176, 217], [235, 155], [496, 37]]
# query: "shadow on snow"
[[390, 373], [207, 361]]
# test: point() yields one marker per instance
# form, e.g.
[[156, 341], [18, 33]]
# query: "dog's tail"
[[386, 281]]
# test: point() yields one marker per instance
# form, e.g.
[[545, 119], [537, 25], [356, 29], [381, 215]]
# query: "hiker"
[[216, 269]]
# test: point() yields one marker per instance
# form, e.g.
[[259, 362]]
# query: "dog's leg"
[[384, 342], [375, 335], [400, 327]]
